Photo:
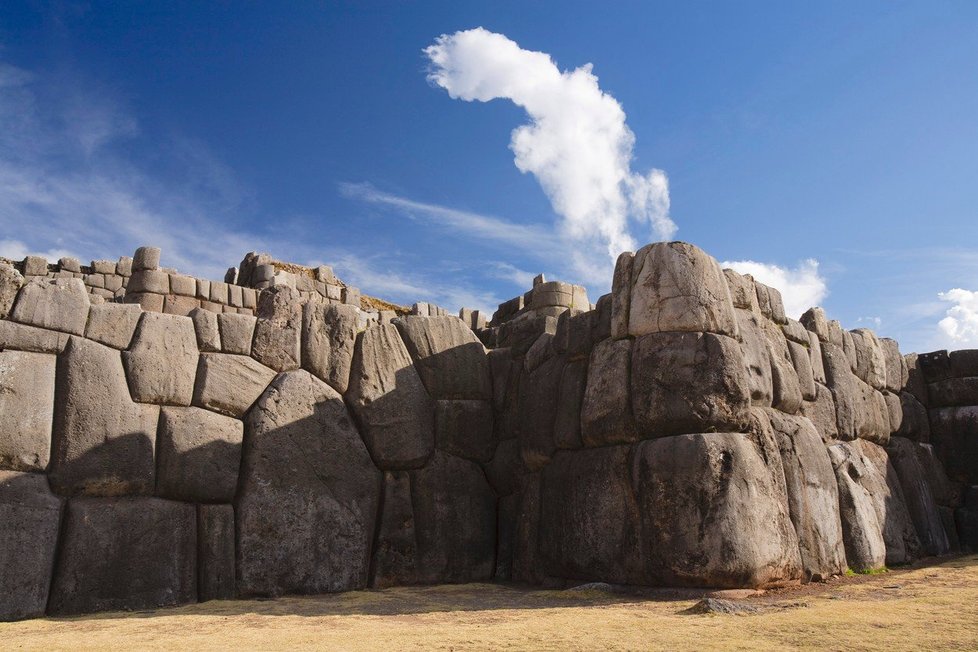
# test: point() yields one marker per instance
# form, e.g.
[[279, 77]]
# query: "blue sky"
[[833, 145]]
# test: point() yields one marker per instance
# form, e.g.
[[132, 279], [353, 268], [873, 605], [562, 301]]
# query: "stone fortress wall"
[[184, 440]]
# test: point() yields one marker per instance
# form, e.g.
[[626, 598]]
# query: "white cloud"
[[576, 144], [801, 287], [17, 250], [960, 324], [519, 277]]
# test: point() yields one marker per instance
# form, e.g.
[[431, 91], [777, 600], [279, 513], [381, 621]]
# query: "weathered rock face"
[[146, 555], [449, 358], [464, 428], [198, 455], [230, 384], [395, 555], [215, 552], [329, 333], [861, 529], [899, 533], [10, 283], [278, 330], [606, 416], [56, 304], [30, 514], [920, 500], [26, 409], [161, 364], [309, 493], [394, 410]]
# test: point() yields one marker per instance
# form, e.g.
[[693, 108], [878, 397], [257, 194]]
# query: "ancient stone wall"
[[680, 431]]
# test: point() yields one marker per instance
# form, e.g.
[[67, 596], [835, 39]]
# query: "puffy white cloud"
[[801, 287], [17, 250], [576, 143], [960, 324]]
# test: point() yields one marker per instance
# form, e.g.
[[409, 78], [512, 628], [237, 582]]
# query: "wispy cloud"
[[519, 277], [801, 287], [959, 326]]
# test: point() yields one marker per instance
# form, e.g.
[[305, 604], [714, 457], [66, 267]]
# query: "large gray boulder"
[[861, 527], [816, 322], [308, 493], [278, 330], [590, 524], [813, 497], [10, 283], [236, 331], [870, 358], [920, 500], [125, 553], [803, 370], [539, 391], [208, 333], [197, 455], [26, 409], [678, 287], [899, 533], [954, 391], [230, 384], [787, 390], [454, 520], [757, 356], [821, 412], [687, 383], [954, 434], [102, 441], [734, 530], [161, 363], [570, 398], [464, 428], [20, 337], [448, 356], [56, 304], [860, 410], [395, 413], [30, 514], [896, 367], [606, 415], [395, 554], [113, 324], [215, 553], [742, 292], [329, 334]]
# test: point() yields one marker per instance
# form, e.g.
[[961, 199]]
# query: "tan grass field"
[[933, 607]]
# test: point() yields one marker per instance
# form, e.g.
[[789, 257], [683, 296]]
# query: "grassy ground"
[[933, 607]]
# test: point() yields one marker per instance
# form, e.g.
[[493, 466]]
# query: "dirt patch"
[[931, 607]]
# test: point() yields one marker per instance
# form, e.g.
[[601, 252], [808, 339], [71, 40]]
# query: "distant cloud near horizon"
[[576, 143], [960, 323], [801, 287]]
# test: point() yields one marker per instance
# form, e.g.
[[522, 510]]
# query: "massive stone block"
[[787, 389], [448, 356], [198, 455], [688, 382], [329, 334], [19, 337], [816, 322], [146, 555], [103, 442], [26, 409], [10, 283], [870, 358], [57, 304], [537, 406], [278, 330], [113, 324], [215, 552], [30, 515], [237, 332], [915, 423], [803, 370], [590, 524], [954, 434], [621, 294], [161, 363], [920, 499], [230, 384], [813, 496], [391, 404], [454, 520], [861, 528], [883, 485], [395, 555], [570, 398], [606, 415], [742, 292], [860, 410], [464, 428], [954, 392], [678, 287], [896, 367], [821, 412], [308, 498], [757, 356], [208, 333]]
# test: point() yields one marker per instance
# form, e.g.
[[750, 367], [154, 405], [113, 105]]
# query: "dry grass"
[[933, 608]]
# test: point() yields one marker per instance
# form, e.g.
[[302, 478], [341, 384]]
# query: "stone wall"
[[681, 431]]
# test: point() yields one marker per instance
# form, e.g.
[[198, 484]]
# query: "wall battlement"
[[277, 432]]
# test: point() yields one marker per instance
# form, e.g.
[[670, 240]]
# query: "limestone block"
[[570, 398], [278, 330], [150, 280], [351, 296], [182, 306], [230, 384], [735, 530], [30, 514], [935, 366], [396, 551], [815, 357], [113, 283], [307, 504], [946, 493], [954, 434], [815, 321], [894, 410], [963, 363], [102, 442], [124, 266], [210, 306], [215, 553], [742, 292], [861, 529], [573, 335], [870, 358], [146, 258], [183, 285], [219, 292], [94, 280], [249, 298], [606, 415], [26, 409], [849, 348], [678, 287], [688, 382], [146, 555], [821, 412], [448, 356], [757, 357], [763, 295], [896, 366], [35, 266], [19, 337], [464, 428], [537, 410], [777, 306], [803, 369], [521, 332], [861, 410], [506, 469], [161, 363], [787, 388], [333, 292], [69, 264], [590, 523], [916, 383], [395, 413], [237, 332], [206, 330], [813, 497], [541, 351], [57, 304], [104, 266], [954, 391], [198, 454], [795, 332], [10, 283], [454, 520], [203, 289], [920, 499], [915, 424], [554, 293], [329, 334], [147, 300]]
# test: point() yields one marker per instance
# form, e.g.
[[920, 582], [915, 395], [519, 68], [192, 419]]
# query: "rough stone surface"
[[570, 398], [465, 428], [899, 534], [815, 355], [57, 304], [787, 389], [102, 442], [870, 358], [621, 294], [448, 356], [537, 410], [229, 384], [395, 555], [10, 283], [308, 495], [30, 515], [954, 433], [215, 553], [454, 520], [920, 499], [803, 370], [741, 290], [161, 364], [20, 337], [205, 326], [237, 332], [198, 454], [329, 334], [735, 531], [679, 287], [393, 408], [278, 330], [606, 415], [896, 367], [26, 409], [815, 321], [954, 391], [113, 324], [821, 412], [757, 357], [146, 258], [687, 383], [861, 529]]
